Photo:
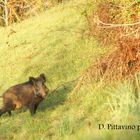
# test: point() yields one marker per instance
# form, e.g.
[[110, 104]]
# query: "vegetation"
[[15, 11], [56, 42]]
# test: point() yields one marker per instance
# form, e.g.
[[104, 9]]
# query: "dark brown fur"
[[28, 94]]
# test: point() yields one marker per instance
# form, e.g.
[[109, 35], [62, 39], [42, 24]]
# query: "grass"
[[53, 43]]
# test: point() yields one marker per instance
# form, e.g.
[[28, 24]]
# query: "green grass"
[[53, 43]]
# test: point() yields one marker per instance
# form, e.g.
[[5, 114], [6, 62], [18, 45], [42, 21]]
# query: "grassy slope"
[[52, 43]]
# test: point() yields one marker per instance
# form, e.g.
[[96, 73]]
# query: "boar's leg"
[[33, 108], [9, 112], [7, 108], [2, 111]]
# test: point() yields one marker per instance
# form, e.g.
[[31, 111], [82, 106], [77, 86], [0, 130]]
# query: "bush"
[[15, 11], [114, 24]]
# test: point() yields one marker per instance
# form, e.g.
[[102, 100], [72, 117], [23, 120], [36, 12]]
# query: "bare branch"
[[133, 32], [6, 12], [101, 24]]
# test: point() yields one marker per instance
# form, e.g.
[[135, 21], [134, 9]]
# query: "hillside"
[[53, 43]]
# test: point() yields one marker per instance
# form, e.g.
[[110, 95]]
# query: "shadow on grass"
[[56, 98]]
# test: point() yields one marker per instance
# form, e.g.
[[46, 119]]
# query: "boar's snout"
[[47, 90], [44, 95], [43, 91]]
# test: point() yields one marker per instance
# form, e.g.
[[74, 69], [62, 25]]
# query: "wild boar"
[[28, 94]]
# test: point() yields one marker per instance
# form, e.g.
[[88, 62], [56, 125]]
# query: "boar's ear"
[[32, 80], [42, 77]]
